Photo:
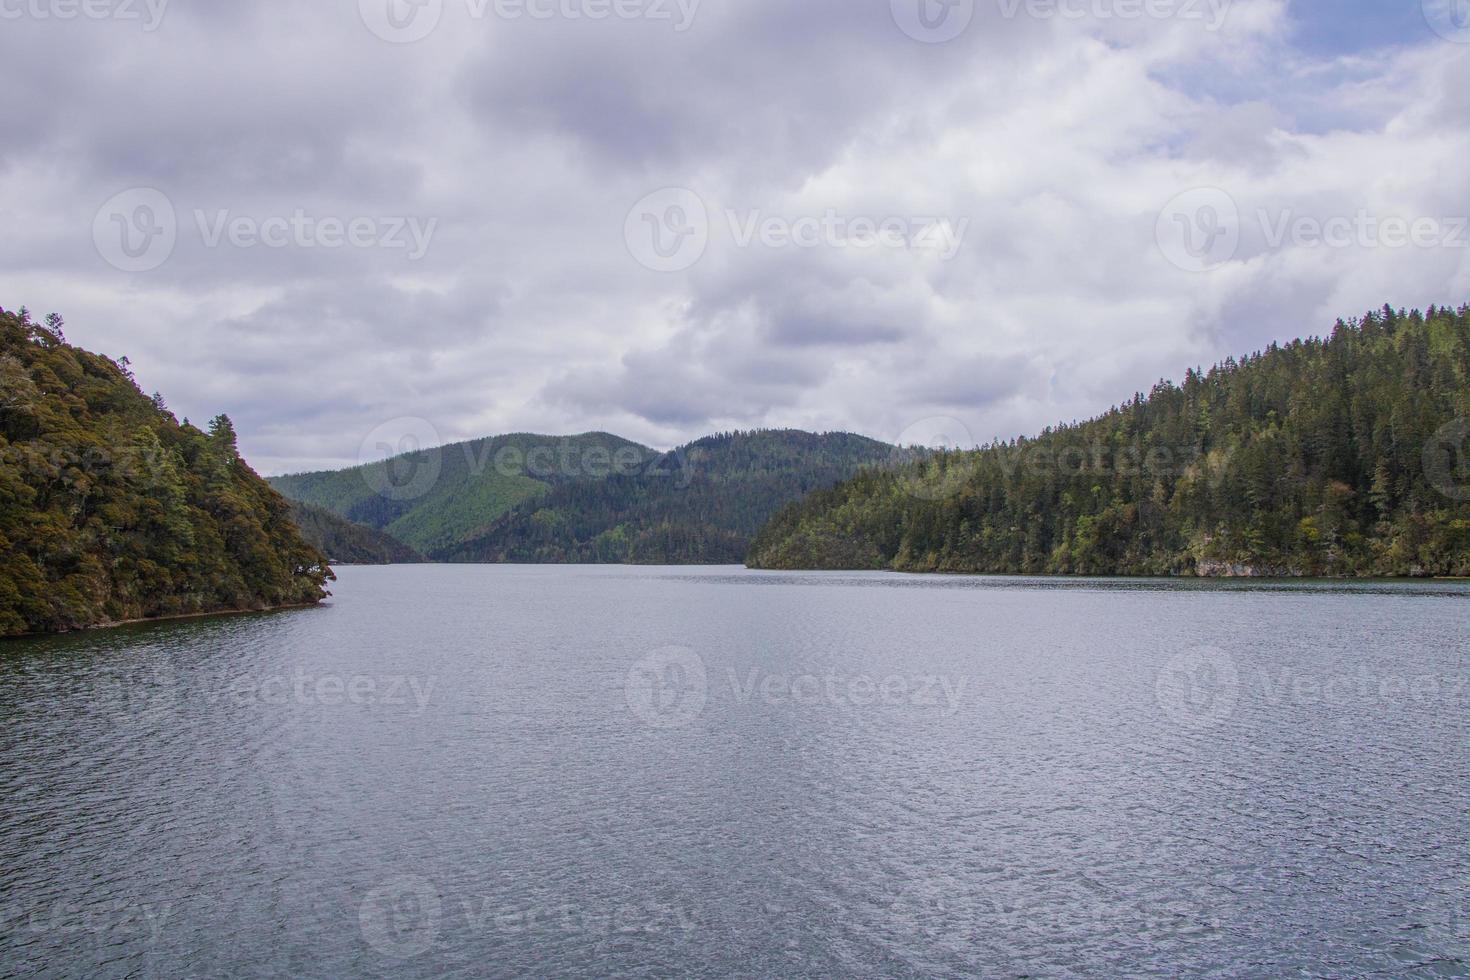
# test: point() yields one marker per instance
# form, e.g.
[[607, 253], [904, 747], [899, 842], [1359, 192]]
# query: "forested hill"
[[346, 543], [110, 510], [1348, 455], [700, 504], [441, 496], [587, 498]]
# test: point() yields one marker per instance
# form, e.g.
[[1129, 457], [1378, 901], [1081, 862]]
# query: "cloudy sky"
[[663, 218]]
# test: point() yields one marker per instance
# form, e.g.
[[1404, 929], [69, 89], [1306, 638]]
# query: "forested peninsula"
[[1340, 456], [111, 510]]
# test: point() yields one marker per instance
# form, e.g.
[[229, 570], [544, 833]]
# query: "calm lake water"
[[506, 771]]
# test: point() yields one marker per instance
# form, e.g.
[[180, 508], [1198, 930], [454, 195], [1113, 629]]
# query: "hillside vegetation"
[[700, 504], [111, 510], [1348, 455], [591, 498], [346, 543], [438, 497]]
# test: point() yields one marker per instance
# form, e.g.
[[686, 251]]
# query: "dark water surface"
[[501, 771]]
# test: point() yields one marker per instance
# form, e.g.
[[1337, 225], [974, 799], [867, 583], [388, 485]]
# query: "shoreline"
[[173, 617]]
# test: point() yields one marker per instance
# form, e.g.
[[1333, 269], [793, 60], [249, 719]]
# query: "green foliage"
[[346, 543], [589, 498], [110, 510], [1337, 456], [436, 498], [699, 504]]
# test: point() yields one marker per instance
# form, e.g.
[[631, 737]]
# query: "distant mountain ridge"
[[700, 504], [347, 543], [590, 498]]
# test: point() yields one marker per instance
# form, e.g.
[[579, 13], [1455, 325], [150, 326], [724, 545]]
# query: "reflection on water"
[[598, 771]]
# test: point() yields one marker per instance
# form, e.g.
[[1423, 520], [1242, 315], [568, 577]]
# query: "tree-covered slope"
[[699, 504], [438, 497], [110, 510], [1348, 455], [346, 543]]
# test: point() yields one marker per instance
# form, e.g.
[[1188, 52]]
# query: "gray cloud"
[[1054, 142]]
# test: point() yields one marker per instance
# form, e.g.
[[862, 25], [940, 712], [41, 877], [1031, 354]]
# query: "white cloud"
[[1056, 141]]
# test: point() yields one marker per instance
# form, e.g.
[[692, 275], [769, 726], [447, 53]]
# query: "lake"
[[587, 772]]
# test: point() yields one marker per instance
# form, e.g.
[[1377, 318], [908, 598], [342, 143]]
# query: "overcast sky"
[[663, 218]]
